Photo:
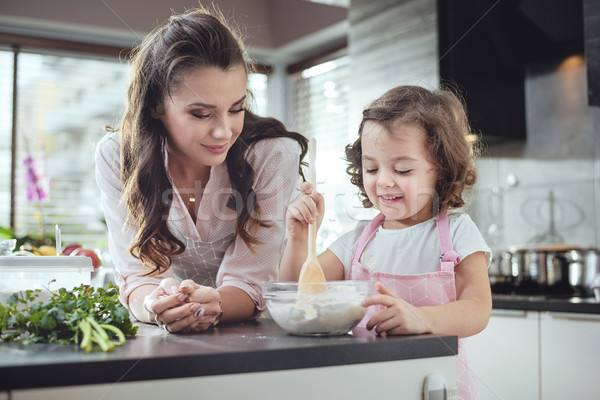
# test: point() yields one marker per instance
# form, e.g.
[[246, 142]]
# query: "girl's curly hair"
[[442, 115]]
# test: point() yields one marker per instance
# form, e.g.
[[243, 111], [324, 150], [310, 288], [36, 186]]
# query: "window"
[[257, 84], [64, 102], [6, 109], [319, 107]]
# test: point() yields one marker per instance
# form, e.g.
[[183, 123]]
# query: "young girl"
[[194, 186], [412, 162]]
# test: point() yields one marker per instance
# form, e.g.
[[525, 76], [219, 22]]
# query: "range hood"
[[486, 45], [591, 21]]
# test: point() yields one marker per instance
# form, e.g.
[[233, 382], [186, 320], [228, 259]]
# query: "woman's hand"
[[164, 297], [304, 210], [183, 308], [206, 306], [397, 317]]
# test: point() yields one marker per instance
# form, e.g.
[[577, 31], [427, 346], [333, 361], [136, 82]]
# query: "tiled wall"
[[561, 157], [390, 43]]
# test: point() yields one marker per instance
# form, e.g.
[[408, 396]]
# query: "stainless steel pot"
[[584, 265], [551, 270]]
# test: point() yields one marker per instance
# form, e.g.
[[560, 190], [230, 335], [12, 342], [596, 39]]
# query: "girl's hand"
[[304, 210], [398, 317], [183, 308]]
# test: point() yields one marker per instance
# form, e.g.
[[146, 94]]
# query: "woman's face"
[[204, 114], [397, 175]]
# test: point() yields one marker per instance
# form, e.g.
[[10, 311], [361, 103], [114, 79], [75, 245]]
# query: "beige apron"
[[201, 260]]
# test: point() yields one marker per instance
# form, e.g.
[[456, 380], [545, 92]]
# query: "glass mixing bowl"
[[332, 312]]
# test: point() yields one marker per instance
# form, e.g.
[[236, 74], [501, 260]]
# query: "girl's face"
[[397, 175], [204, 115]]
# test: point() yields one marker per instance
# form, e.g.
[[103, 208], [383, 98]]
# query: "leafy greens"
[[84, 315]]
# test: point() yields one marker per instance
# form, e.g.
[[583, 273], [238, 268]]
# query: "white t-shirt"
[[275, 164], [412, 250]]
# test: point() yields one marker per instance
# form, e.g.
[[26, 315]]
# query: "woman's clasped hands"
[[185, 307]]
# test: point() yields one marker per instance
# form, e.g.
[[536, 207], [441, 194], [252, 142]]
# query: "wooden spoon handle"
[[312, 240], [312, 279], [312, 162], [312, 176]]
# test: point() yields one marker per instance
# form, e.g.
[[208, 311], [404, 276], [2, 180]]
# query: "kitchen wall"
[[390, 43], [276, 32], [393, 42], [560, 158], [266, 24]]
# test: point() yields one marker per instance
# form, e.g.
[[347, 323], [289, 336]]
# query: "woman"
[[194, 187]]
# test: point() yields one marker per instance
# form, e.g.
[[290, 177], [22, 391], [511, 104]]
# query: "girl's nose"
[[385, 179]]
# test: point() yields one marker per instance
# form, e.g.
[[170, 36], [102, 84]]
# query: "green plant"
[[84, 315]]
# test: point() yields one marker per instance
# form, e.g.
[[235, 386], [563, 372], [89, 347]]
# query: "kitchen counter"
[[250, 347], [587, 305]]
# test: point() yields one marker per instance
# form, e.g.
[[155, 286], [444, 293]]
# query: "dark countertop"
[[255, 346], [587, 305]]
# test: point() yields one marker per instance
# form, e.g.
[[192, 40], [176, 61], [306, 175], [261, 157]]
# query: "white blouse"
[[275, 163]]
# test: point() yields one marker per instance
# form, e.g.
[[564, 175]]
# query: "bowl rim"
[[294, 284]]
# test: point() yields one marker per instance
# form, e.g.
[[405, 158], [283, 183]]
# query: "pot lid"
[[549, 247]]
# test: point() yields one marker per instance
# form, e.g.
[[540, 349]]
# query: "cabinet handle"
[[508, 313], [574, 316]]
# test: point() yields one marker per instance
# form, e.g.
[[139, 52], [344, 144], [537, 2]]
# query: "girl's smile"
[[390, 200]]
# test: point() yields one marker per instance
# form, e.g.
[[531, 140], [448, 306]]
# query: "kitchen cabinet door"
[[505, 356], [569, 352], [401, 379]]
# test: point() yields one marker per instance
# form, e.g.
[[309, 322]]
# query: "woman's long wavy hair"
[[442, 115], [198, 38]]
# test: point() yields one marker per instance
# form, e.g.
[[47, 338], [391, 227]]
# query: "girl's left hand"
[[398, 317]]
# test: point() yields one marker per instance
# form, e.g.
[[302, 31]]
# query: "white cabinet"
[[537, 355], [385, 380], [505, 356], [569, 353]]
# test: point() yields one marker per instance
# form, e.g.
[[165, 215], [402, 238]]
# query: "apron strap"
[[449, 258], [366, 235]]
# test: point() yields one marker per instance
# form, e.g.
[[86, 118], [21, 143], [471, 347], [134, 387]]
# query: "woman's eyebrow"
[[240, 100], [206, 105]]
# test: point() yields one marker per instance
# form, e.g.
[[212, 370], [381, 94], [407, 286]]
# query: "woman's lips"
[[216, 149]]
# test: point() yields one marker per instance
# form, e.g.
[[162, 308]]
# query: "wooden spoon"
[[312, 278]]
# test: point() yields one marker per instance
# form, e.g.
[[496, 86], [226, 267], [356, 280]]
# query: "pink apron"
[[429, 289]]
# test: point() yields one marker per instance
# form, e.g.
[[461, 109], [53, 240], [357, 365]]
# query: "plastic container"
[[333, 312], [23, 273], [7, 246]]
